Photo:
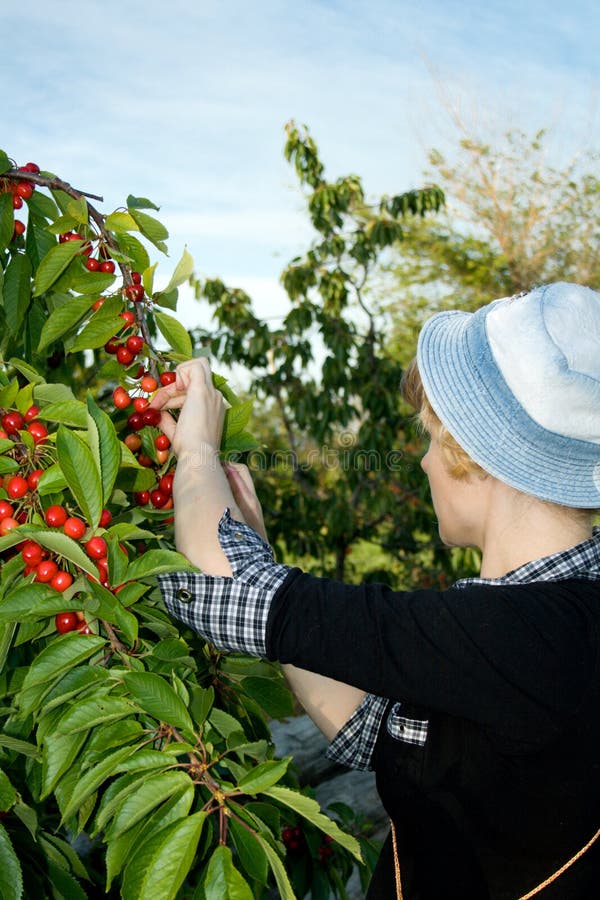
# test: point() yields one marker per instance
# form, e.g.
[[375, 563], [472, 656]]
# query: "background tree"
[[512, 220], [338, 468]]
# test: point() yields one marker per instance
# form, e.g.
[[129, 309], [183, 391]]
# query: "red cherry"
[[46, 571], [128, 317], [24, 189], [121, 398], [74, 236], [105, 518], [162, 456], [8, 524], [167, 378], [96, 306], [16, 487], [33, 479], [148, 384], [66, 621], [31, 413], [162, 442], [158, 498], [61, 581], [166, 483], [12, 422], [19, 228], [92, 264], [96, 548], [5, 510], [32, 553], [151, 416], [84, 628], [134, 292], [38, 432], [145, 460], [64, 237], [135, 421], [17, 201], [56, 516], [31, 167], [136, 277], [107, 266], [141, 498], [112, 345], [124, 356], [140, 404], [135, 343], [75, 528]]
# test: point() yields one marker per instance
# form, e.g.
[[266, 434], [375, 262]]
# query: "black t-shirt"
[[507, 785]]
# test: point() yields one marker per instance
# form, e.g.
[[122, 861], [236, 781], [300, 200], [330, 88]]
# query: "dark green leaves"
[[81, 471], [156, 696], [54, 264]]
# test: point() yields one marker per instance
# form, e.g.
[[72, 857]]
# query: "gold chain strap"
[[532, 893]]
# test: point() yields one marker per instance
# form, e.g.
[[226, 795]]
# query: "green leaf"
[[121, 221], [18, 746], [222, 880], [11, 877], [150, 227], [58, 542], [155, 790], [158, 562], [52, 481], [5, 162], [156, 696], [52, 393], [158, 869], [236, 418], [54, 264], [263, 776], [60, 751], [63, 654], [64, 883], [107, 450], [65, 412], [309, 809], [224, 723], [27, 370], [174, 333], [134, 250], [250, 851], [119, 851], [17, 291], [84, 282], [283, 883], [271, 695], [63, 319], [104, 324], [140, 203], [183, 270], [8, 793], [7, 219], [82, 474], [92, 778], [98, 709], [77, 208]]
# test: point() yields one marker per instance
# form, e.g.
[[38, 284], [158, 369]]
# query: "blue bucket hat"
[[517, 384]]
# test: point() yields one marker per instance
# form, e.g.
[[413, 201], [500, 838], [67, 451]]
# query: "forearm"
[[201, 493], [329, 703]]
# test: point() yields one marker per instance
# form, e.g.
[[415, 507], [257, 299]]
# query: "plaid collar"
[[581, 561]]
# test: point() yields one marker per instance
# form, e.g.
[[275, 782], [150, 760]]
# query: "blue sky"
[[185, 102]]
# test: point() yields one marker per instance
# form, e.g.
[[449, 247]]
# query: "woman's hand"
[[242, 488], [200, 421]]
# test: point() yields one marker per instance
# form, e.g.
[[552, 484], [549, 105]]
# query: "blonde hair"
[[458, 462]]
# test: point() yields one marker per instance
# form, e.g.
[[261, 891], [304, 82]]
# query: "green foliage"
[[134, 758]]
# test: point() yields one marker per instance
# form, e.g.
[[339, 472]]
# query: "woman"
[[476, 706]]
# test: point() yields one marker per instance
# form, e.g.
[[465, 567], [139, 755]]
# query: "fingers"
[[194, 374]]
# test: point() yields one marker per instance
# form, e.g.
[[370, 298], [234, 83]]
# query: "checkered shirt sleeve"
[[354, 743], [231, 613]]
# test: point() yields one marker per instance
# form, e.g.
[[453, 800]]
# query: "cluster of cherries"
[[161, 496], [294, 841], [21, 190], [22, 499]]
